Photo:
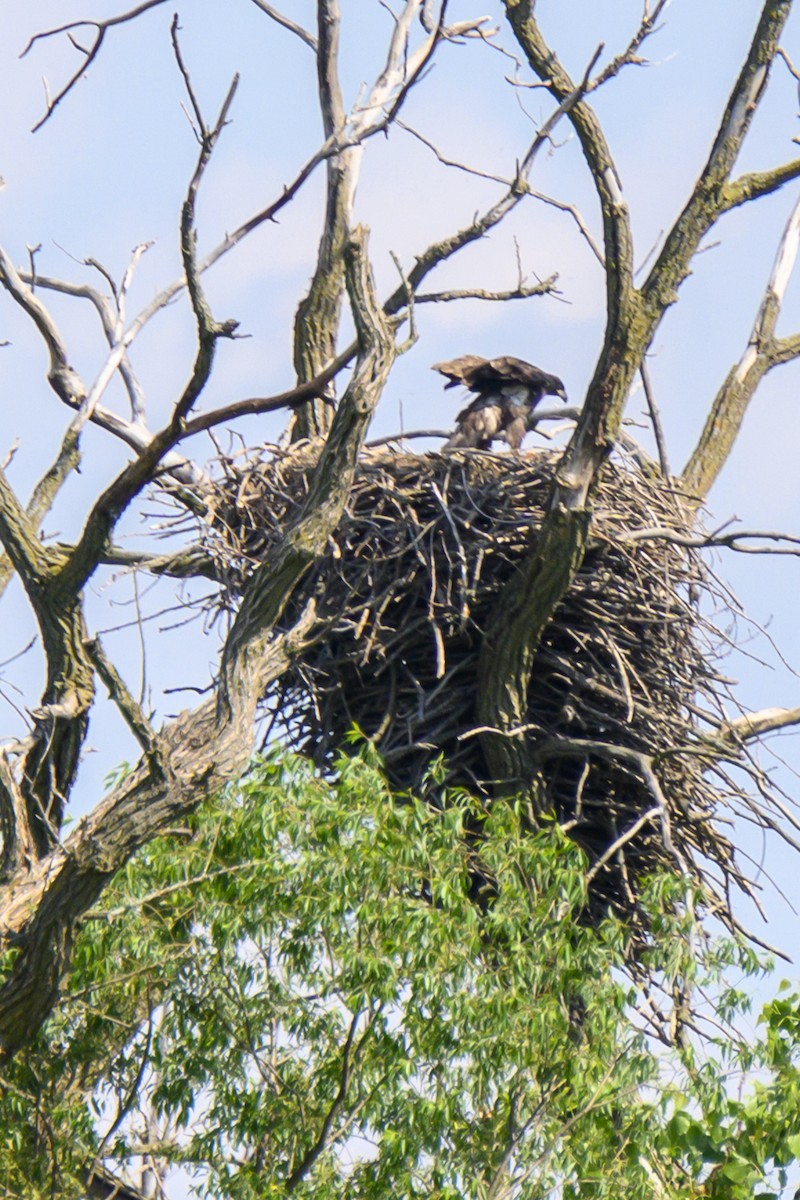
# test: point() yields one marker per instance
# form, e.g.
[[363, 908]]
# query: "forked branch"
[[89, 55]]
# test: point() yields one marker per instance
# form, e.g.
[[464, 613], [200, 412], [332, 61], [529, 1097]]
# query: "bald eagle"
[[507, 389]]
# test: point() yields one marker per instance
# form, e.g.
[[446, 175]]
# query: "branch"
[[730, 541], [19, 848], [200, 751], [763, 352], [317, 320], [45, 491], [337, 1103], [316, 325], [629, 55], [307, 534], [439, 252], [280, 19], [65, 381], [110, 319], [524, 610], [753, 725], [61, 376], [583, 228], [200, 756], [522, 292], [655, 418], [192, 562], [95, 540], [757, 184], [209, 331], [19, 537], [643, 766], [710, 196], [620, 356], [530, 598], [70, 390], [89, 55], [130, 711]]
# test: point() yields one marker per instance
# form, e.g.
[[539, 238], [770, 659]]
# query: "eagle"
[[507, 389]]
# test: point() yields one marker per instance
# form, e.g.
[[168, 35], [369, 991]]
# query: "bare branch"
[[316, 325], [511, 641], [655, 418], [202, 750], [787, 544], [60, 374], [192, 562], [18, 849], [209, 331], [522, 292], [65, 381], [618, 244], [317, 320], [280, 19], [753, 725], [757, 184], [439, 252], [649, 25], [577, 218], [451, 162], [130, 711], [642, 764], [19, 537], [111, 320], [89, 55], [710, 196], [307, 535]]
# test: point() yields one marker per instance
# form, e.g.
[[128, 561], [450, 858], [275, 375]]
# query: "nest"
[[411, 579]]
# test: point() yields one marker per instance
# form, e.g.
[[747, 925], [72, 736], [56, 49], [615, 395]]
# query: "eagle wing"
[[490, 374], [508, 370], [461, 370]]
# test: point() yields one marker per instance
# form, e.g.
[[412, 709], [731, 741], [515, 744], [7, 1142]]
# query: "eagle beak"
[[562, 395]]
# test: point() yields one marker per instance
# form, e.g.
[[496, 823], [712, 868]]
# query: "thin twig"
[[89, 55]]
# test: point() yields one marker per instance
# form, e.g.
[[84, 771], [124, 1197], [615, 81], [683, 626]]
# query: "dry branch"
[[199, 752]]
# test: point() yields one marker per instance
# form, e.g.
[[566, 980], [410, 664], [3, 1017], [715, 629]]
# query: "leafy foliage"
[[321, 989]]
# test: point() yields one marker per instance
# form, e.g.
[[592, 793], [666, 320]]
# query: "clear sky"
[[109, 171]]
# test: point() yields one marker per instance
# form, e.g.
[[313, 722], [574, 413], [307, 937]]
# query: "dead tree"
[[51, 875]]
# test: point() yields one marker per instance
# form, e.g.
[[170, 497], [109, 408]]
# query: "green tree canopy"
[[321, 989]]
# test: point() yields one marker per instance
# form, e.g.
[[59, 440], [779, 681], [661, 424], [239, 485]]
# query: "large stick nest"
[[620, 683]]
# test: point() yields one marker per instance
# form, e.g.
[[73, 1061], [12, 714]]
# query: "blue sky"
[[110, 169]]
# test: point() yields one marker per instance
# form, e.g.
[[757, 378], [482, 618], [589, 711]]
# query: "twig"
[[130, 711], [522, 292], [655, 418], [280, 19], [89, 55], [730, 541], [209, 331]]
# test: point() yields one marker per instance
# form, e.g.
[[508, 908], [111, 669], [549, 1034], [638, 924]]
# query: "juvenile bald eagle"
[[507, 389]]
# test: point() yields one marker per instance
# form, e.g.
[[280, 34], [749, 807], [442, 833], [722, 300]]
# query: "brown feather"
[[508, 389]]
